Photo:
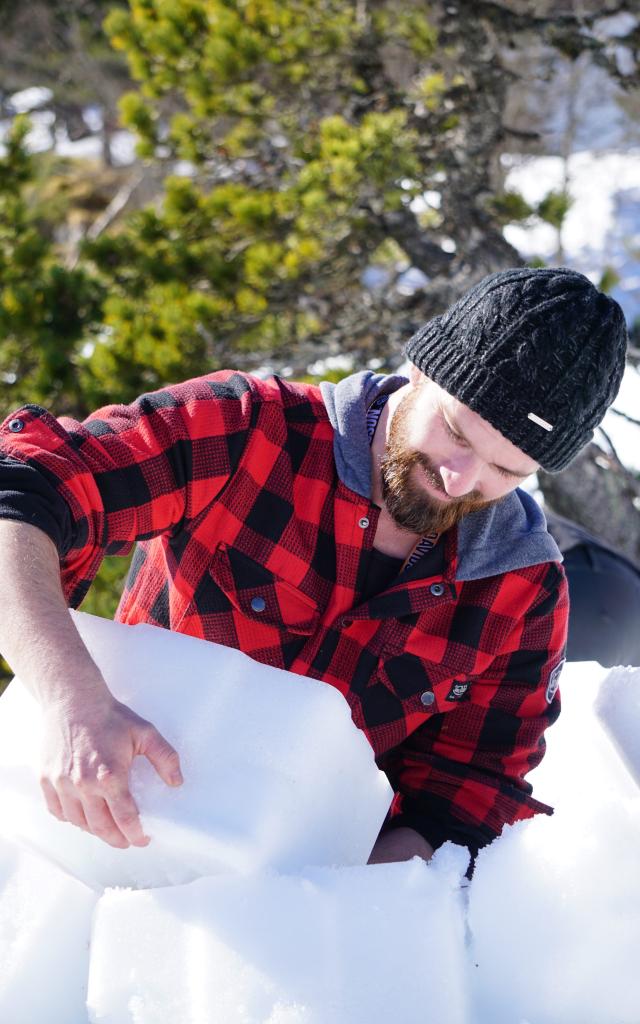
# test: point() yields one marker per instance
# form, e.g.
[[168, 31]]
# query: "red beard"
[[409, 505]]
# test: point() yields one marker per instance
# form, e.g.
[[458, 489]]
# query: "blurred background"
[[294, 187]]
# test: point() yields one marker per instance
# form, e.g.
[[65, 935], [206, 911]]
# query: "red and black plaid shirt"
[[247, 537]]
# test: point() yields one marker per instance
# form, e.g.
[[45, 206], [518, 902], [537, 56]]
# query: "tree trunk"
[[602, 496]]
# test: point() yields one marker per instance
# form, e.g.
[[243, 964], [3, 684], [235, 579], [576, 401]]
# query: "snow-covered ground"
[[601, 230], [46, 135], [546, 933]]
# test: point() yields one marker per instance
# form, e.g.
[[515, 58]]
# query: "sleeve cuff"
[[26, 496], [437, 833]]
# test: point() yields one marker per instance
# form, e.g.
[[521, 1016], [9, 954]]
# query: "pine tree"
[[307, 135], [47, 310]]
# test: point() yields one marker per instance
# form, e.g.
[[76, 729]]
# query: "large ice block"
[[618, 707], [45, 927], [343, 946], [276, 774]]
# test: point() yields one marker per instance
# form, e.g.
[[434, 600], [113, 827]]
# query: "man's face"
[[443, 461]]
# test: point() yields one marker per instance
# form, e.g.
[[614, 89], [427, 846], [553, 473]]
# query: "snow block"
[[276, 773], [45, 926], [554, 915], [554, 905], [345, 946], [618, 707], [580, 752]]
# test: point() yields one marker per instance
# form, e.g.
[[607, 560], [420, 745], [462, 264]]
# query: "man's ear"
[[416, 376]]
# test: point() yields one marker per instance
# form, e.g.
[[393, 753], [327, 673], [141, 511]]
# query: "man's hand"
[[89, 746], [90, 740]]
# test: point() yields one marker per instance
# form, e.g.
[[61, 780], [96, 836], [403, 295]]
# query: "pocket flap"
[[261, 595]]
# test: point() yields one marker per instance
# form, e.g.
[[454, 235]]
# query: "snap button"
[[258, 604], [437, 589], [427, 698], [15, 426], [364, 522]]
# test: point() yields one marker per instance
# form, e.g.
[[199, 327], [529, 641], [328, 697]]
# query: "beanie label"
[[540, 421]]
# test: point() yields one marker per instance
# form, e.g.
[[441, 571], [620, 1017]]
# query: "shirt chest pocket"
[[260, 596], [423, 686]]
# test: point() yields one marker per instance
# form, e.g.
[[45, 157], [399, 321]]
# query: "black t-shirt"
[[384, 569], [381, 572]]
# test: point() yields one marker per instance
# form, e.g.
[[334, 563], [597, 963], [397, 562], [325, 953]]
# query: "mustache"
[[407, 501], [410, 505], [415, 458]]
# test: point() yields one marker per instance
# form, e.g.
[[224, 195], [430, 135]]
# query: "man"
[[368, 534]]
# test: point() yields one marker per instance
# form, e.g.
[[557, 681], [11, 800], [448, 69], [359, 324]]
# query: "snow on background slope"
[[602, 226], [602, 229]]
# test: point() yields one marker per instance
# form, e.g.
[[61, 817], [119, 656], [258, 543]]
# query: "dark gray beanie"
[[539, 354]]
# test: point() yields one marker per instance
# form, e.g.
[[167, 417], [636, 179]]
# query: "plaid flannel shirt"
[[248, 537]]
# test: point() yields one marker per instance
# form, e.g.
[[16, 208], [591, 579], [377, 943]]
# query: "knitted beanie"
[[539, 354]]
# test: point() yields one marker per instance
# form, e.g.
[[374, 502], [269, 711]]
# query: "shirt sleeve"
[[127, 473], [461, 775]]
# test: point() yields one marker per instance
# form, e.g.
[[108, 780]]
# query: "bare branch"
[[612, 449], [116, 206], [517, 133], [625, 416]]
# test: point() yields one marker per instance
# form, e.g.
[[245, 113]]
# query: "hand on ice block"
[[89, 745]]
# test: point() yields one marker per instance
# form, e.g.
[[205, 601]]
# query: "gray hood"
[[509, 535]]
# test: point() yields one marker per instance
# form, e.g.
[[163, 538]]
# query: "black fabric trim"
[[437, 833], [27, 496]]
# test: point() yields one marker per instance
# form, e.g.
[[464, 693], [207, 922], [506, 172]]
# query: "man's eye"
[[452, 434]]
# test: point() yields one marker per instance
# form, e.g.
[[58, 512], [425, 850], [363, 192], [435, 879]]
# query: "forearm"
[[37, 634], [400, 844]]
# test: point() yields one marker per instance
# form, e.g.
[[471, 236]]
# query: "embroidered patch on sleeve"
[[554, 681]]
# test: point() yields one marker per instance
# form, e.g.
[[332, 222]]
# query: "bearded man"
[[369, 534]]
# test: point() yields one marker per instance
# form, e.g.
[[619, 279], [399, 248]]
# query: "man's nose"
[[460, 475]]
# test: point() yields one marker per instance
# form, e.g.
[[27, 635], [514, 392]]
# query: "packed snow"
[[300, 930], [618, 707], [554, 908], [45, 930], [328, 946]]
